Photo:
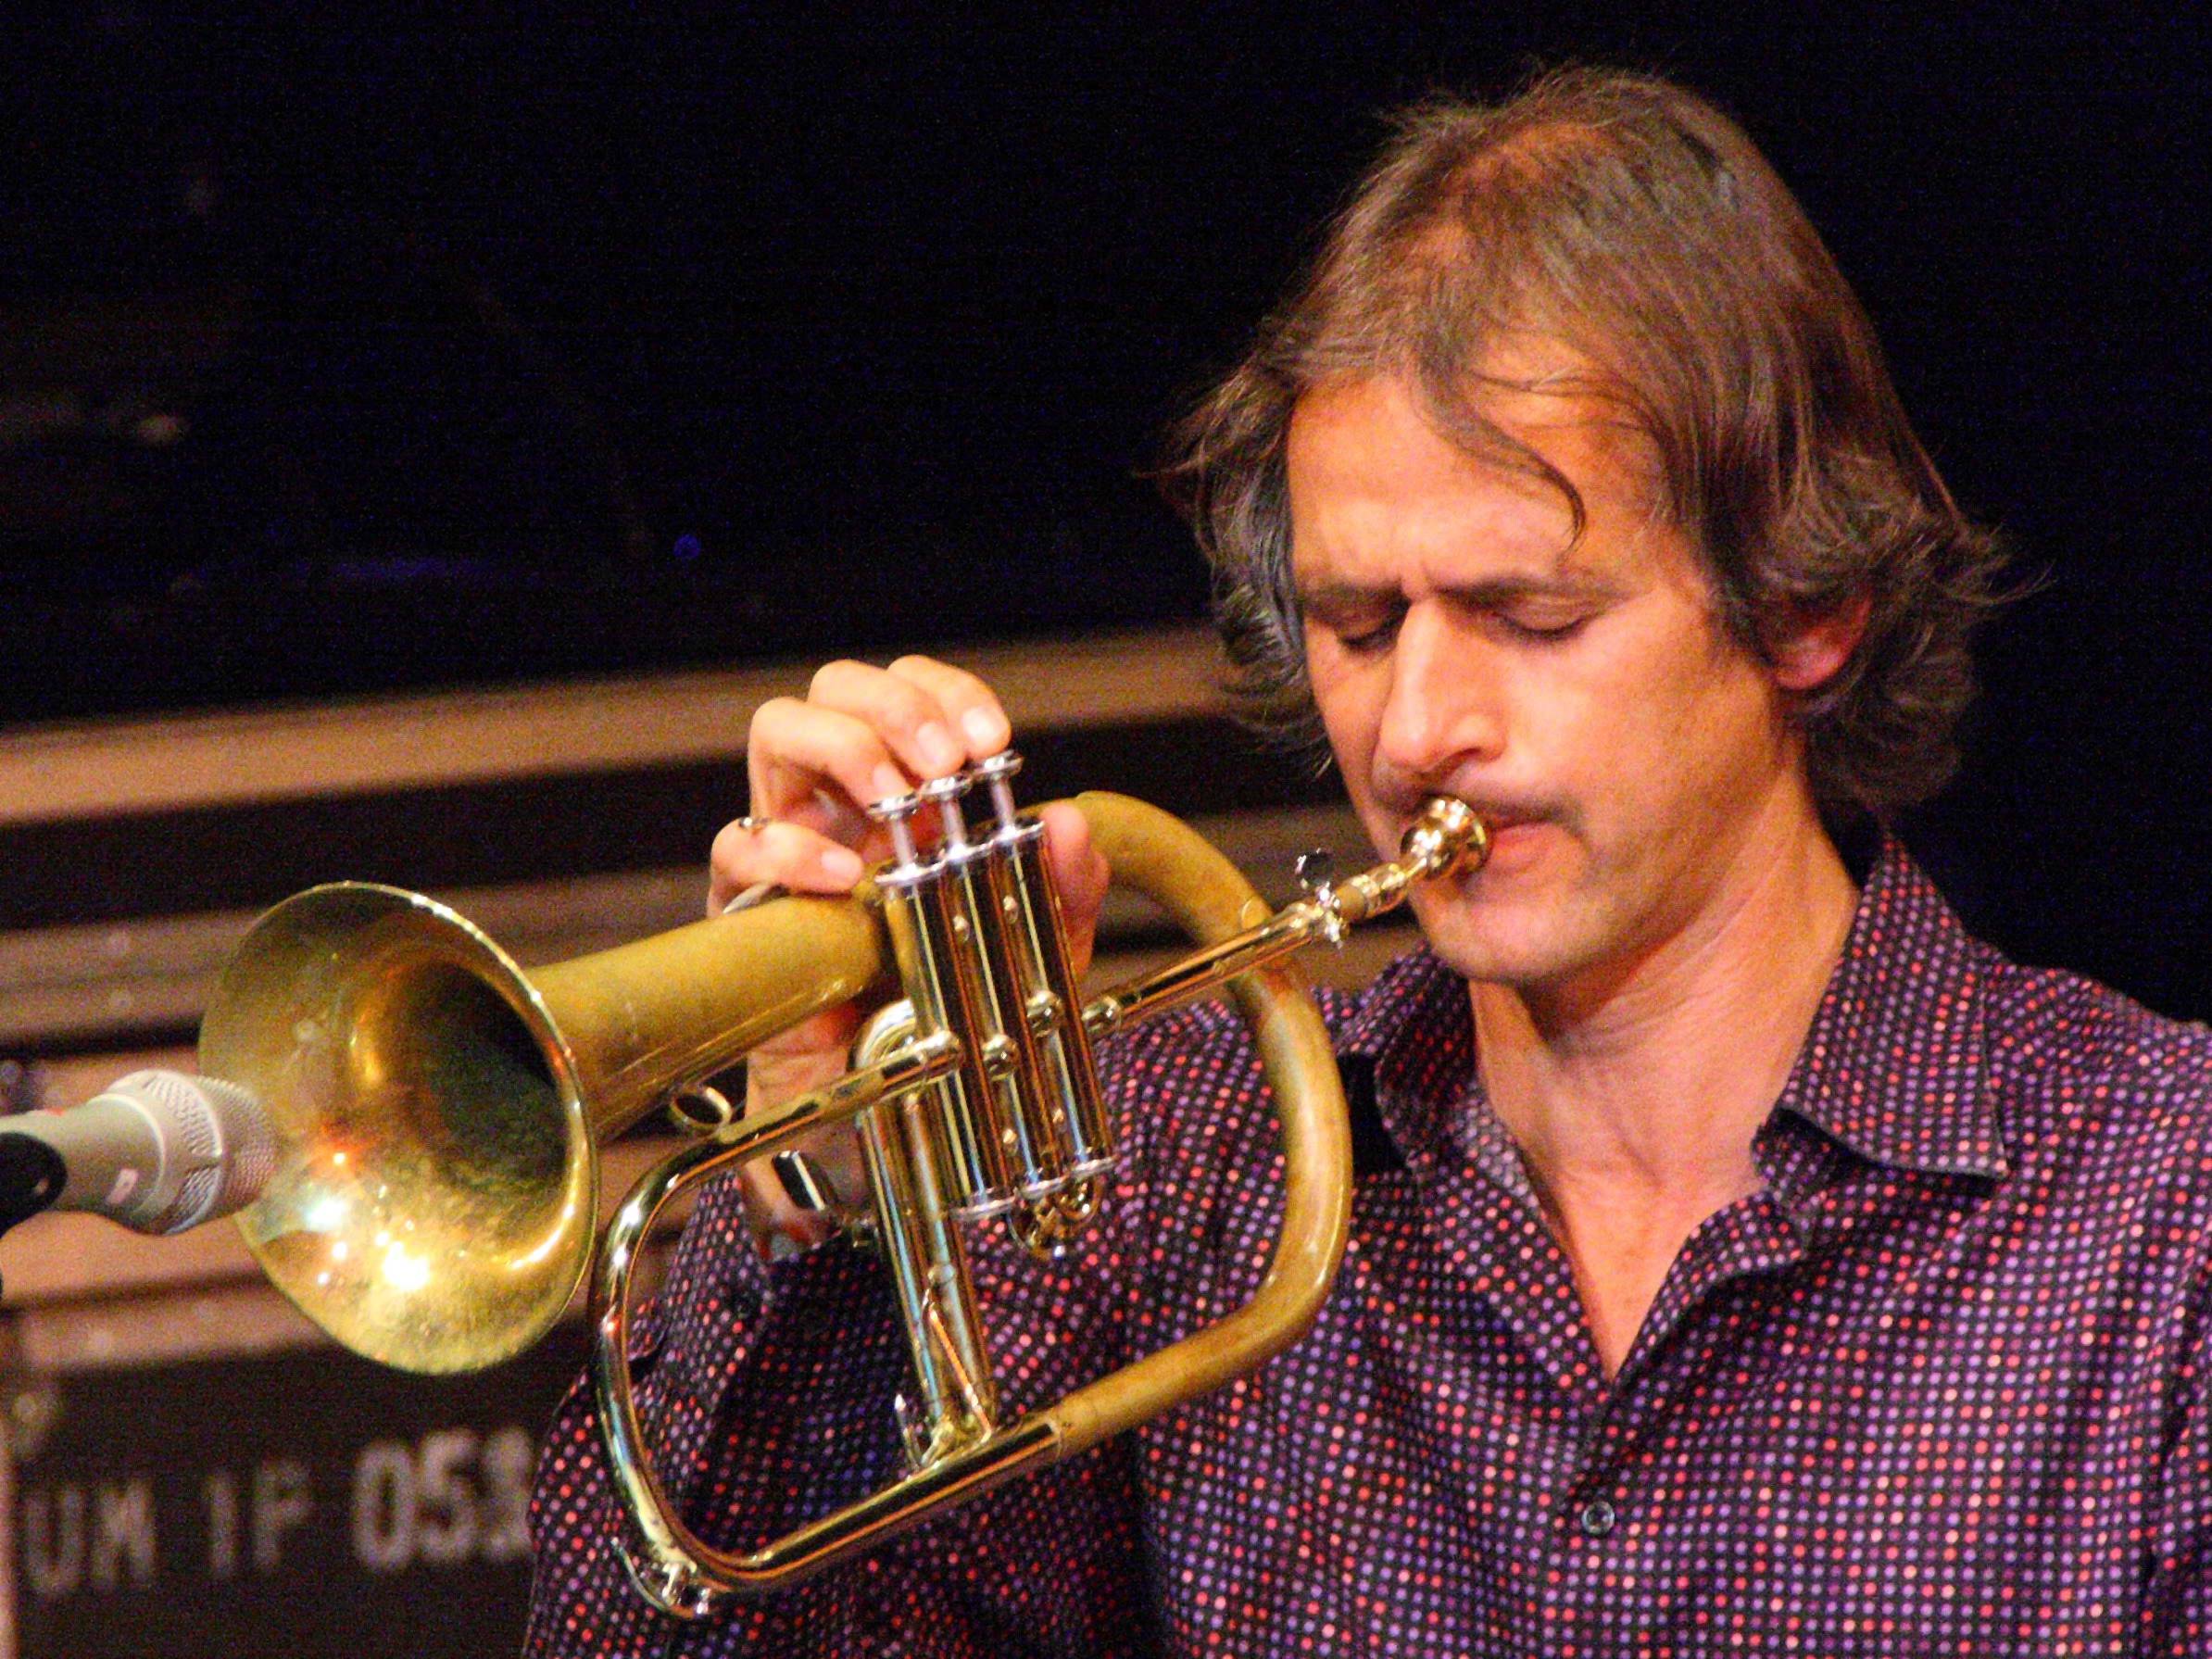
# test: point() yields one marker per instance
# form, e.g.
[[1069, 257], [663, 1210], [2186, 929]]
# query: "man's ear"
[[1811, 648]]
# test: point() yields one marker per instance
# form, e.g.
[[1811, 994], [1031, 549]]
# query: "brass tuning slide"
[[438, 1114]]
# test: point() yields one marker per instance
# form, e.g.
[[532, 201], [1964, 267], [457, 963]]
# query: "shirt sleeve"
[[765, 1392], [2177, 1604]]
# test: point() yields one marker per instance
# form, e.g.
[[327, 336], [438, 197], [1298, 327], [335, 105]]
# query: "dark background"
[[473, 344]]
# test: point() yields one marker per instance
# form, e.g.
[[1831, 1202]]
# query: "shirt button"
[[1598, 1517]]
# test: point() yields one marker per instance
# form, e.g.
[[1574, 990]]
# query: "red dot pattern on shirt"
[[1940, 1387]]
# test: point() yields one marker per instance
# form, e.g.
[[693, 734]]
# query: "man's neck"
[[1634, 1104]]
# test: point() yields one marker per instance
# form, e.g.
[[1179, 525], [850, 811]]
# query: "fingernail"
[[888, 781], [986, 730], [938, 748], [842, 863]]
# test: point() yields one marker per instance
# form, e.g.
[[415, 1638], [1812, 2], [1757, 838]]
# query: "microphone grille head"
[[252, 1149], [193, 1203], [225, 1150]]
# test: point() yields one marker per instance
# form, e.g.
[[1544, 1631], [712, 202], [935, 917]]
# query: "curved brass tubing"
[[439, 1111], [1205, 894]]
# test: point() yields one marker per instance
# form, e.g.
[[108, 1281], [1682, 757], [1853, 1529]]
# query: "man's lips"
[[1515, 836], [1510, 840], [1515, 830]]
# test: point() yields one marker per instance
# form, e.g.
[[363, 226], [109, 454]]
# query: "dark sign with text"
[[308, 1504]]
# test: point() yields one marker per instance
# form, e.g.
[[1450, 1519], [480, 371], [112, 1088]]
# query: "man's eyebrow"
[[1336, 595], [1344, 596]]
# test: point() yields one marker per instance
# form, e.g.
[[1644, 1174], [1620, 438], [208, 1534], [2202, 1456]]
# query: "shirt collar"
[[1893, 1067], [1415, 1028]]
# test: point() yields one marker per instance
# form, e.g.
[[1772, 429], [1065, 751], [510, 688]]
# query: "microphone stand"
[[31, 1178]]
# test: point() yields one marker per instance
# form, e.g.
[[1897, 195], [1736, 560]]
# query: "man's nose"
[[1446, 704]]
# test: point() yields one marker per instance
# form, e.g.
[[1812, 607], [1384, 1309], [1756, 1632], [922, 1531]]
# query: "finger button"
[[945, 795], [997, 774], [895, 812]]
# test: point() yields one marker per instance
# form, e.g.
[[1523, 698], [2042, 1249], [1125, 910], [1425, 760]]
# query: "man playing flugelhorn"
[[1743, 1256]]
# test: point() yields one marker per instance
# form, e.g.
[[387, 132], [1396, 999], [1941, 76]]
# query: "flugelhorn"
[[440, 1111]]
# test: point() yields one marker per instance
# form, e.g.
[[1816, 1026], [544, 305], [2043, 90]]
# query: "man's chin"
[[1493, 938]]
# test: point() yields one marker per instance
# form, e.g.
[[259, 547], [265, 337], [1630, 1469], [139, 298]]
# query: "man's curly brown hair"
[[1634, 223]]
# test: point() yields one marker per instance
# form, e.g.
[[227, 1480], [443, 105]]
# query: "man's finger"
[[1079, 871], [789, 855], [794, 748], [914, 728], [970, 707]]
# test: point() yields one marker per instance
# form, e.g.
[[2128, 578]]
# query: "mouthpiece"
[[1446, 839]]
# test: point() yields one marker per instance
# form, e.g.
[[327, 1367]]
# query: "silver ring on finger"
[[759, 893]]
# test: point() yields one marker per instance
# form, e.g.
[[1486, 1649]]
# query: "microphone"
[[159, 1151]]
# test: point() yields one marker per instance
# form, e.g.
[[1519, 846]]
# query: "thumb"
[[1079, 871]]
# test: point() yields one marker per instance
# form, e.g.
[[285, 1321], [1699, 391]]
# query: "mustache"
[[1498, 810]]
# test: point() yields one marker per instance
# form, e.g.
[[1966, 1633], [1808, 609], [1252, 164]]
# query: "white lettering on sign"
[[221, 1489], [282, 1501], [122, 1534], [76, 1537], [446, 1496], [509, 1460], [384, 1507], [451, 1497]]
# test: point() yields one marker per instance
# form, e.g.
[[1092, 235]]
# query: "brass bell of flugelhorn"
[[439, 1113]]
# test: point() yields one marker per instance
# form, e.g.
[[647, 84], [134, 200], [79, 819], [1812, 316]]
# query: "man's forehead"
[[1540, 460], [1555, 407]]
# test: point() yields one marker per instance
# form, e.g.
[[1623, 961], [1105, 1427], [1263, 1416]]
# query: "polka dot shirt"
[[1940, 1387]]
